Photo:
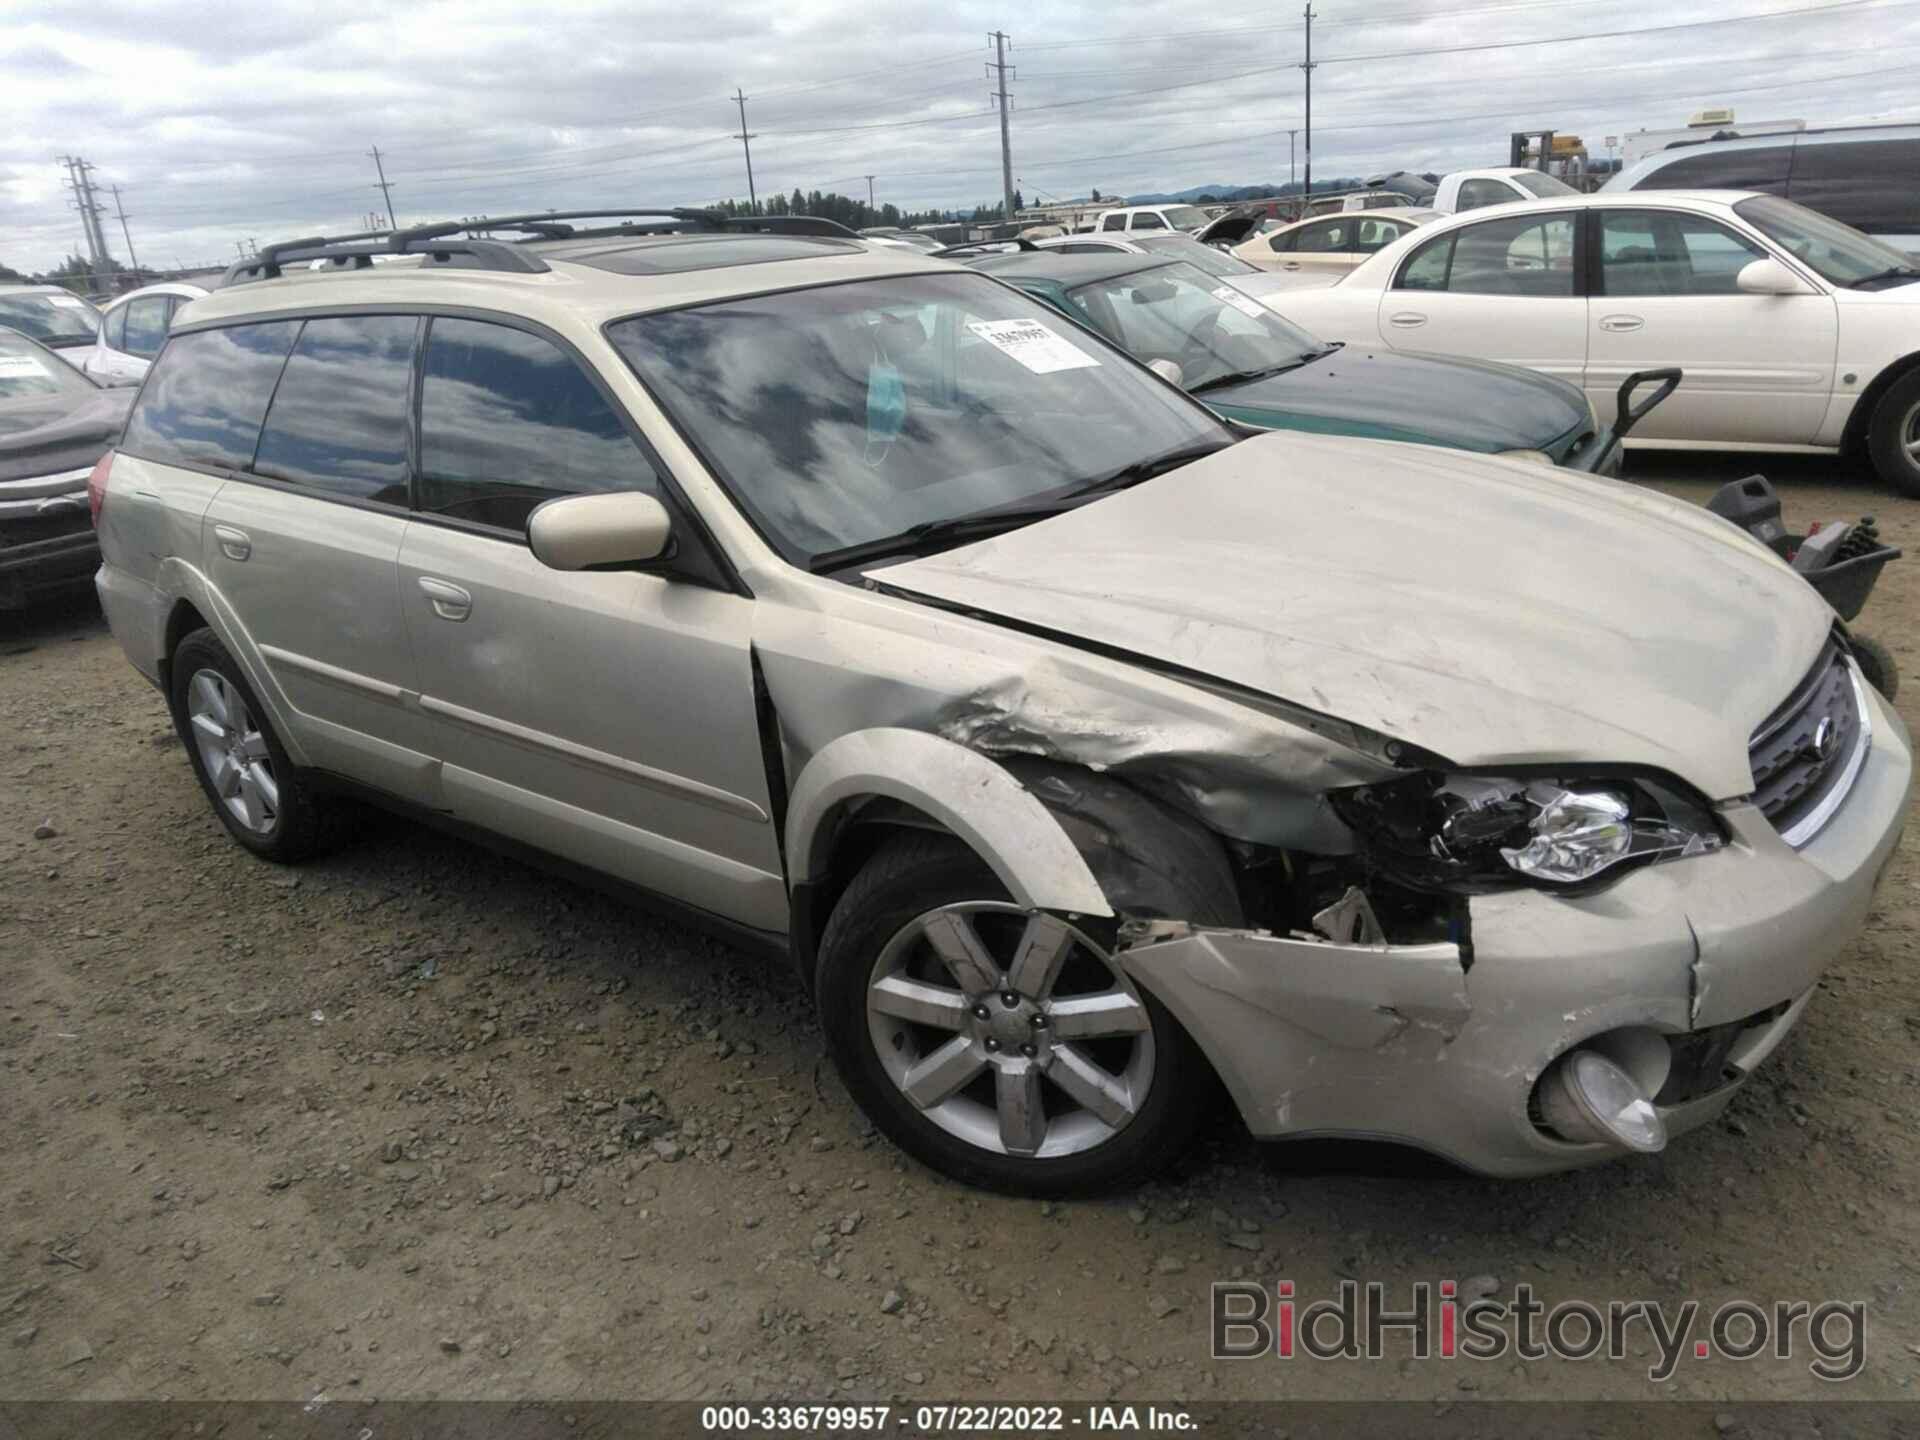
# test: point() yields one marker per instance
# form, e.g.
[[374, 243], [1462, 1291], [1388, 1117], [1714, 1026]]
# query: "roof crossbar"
[[437, 242]]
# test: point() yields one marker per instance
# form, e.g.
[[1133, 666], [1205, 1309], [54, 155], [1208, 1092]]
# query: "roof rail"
[[437, 242], [987, 247]]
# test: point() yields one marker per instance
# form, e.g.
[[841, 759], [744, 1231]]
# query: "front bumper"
[[42, 566], [1718, 955]]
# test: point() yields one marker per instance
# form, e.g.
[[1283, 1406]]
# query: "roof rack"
[[436, 242]]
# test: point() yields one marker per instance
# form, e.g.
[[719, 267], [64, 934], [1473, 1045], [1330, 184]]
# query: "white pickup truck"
[[1470, 189]]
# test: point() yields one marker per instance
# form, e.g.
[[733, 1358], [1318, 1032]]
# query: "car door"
[[1505, 288], [1759, 368], [303, 542], [607, 717]]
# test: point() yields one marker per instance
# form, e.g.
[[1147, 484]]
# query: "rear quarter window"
[[207, 394], [1761, 167]]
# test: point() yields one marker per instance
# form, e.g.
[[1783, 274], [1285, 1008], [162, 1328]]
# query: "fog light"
[[1588, 1097]]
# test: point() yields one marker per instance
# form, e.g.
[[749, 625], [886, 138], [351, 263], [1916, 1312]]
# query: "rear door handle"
[[234, 544], [1407, 319], [449, 601], [1291, 265], [1621, 322]]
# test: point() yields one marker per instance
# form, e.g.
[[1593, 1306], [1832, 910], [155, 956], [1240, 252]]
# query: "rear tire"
[[255, 791], [1142, 1078], [1893, 436]]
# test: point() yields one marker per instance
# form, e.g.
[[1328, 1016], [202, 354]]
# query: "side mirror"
[[578, 532], [1169, 371], [1769, 277]]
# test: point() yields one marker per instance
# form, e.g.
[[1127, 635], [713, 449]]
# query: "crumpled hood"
[[43, 437], [1496, 612], [1428, 399]]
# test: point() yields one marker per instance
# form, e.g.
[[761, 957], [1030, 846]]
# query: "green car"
[[1250, 365]]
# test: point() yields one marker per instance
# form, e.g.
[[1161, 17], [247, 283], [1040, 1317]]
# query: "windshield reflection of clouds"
[[779, 392], [1172, 313]]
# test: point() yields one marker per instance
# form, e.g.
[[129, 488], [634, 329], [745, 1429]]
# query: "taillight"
[[97, 487]]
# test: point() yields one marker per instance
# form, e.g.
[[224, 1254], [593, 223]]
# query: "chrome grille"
[[1808, 752]]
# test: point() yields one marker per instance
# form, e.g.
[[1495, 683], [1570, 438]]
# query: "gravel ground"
[[415, 1121]]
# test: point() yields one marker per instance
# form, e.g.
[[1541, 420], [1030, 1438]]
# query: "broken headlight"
[[1482, 832]]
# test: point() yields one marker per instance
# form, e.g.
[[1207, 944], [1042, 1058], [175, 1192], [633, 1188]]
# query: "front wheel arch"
[[1853, 440]]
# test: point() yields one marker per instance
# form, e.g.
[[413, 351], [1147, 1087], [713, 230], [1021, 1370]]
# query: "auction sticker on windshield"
[[66, 302], [1248, 307], [18, 365], [1033, 344]]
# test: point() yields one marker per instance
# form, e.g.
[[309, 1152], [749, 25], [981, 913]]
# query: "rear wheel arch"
[[182, 620]]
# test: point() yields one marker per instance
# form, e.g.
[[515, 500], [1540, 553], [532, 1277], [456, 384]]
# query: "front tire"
[[265, 803], [1893, 437], [1004, 1049], [1877, 665]]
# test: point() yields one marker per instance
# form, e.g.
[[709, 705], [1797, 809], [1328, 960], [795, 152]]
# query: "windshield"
[[1201, 257], [1209, 329], [30, 372], [847, 413], [50, 319], [1186, 217], [1839, 252], [1544, 187]]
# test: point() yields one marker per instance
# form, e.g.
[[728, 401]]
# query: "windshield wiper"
[[1242, 377], [1892, 272], [931, 535]]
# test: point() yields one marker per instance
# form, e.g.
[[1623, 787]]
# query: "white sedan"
[[132, 330], [1795, 332]]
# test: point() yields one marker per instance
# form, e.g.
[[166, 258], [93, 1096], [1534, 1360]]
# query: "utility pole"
[[869, 192], [83, 201], [1308, 67], [999, 65], [125, 234], [744, 137], [1290, 135], [386, 193]]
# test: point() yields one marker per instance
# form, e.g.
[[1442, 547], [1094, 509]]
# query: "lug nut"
[[1009, 999], [992, 1044], [1039, 1021], [1029, 1051], [980, 1012]]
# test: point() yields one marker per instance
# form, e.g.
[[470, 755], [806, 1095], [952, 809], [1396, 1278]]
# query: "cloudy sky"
[[253, 120]]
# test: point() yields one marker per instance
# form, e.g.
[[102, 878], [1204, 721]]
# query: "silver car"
[[1078, 749]]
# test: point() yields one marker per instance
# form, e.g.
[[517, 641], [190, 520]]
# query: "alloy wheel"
[[1011, 1031], [233, 751]]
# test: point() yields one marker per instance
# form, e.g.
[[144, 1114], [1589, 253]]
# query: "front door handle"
[[1407, 319], [449, 601], [1621, 322], [234, 544], [1291, 265]]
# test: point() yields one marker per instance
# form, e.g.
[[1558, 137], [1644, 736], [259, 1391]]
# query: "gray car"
[[1076, 749]]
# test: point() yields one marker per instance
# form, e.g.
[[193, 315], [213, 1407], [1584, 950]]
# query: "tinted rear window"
[[206, 395], [339, 417], [1867, 184], [1760, 167]]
